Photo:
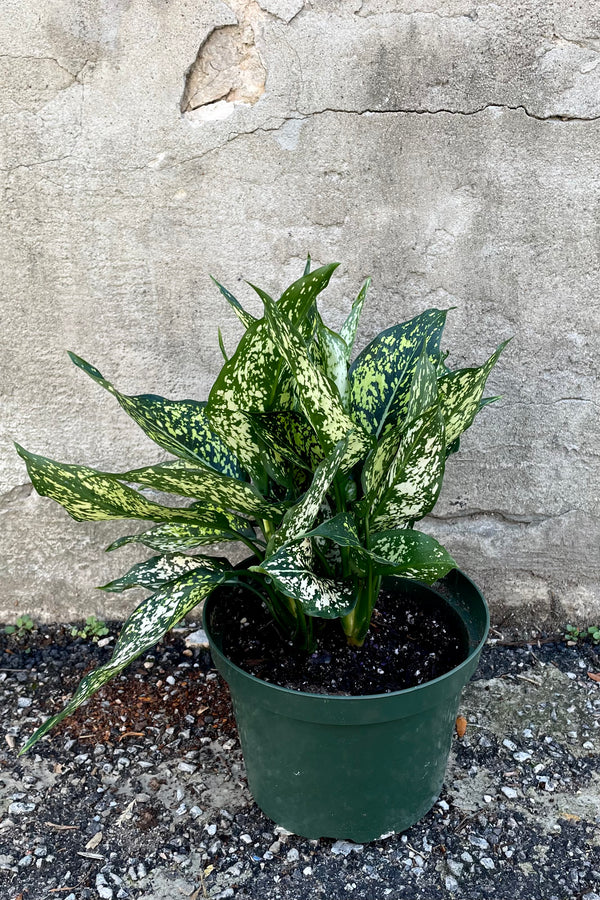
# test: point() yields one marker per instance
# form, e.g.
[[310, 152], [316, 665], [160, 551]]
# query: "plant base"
[[353, 768]]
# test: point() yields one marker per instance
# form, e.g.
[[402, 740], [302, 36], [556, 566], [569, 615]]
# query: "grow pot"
[[352, 767]]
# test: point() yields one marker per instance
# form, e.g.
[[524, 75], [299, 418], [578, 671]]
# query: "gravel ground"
[[142, 793]]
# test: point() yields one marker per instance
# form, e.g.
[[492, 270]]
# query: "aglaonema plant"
[[320, 466]]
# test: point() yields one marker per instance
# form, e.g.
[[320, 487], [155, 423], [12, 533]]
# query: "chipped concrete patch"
[[229, 67]]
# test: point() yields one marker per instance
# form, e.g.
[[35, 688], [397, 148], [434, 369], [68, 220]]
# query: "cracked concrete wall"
[[449, 148]]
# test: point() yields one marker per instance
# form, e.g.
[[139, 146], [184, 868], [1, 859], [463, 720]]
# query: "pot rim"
[[474, 652]]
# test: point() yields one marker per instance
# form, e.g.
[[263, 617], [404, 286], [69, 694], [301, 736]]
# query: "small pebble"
[[104, 891], [487, 863], [454, 866], [509, 792], [451, 883], [197, 639], [479, 842], [24, 702], [522, 756], [343, 848], [509, 745], [292, 855], [20, 809]]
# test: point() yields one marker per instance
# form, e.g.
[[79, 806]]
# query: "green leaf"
[[91, 496], [350, 326], [245, 317], [254, 380], [179, 426], [290, 434], [411, 554], [460, 395], [341, 529], [152, 619], [222, 345], [307, 265], [381, 375], [404, 476], [423, 388], [299, 518], [206, 485], [174, 536], [291, 572], [319, 401], [153, 573], [334, 353]]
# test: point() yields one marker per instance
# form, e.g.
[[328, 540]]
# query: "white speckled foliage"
[[320, 466]]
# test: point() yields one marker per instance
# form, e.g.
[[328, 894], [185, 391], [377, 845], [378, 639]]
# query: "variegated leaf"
[[289, 433], [174, 536], [91, 496], [407, 487], [245, 317], [159, 570], [423, 388], [460, 395], [224, 353], [318, 399], [179, 426], [334, 354], [299, 518], [291, 572], [350, 326], [250, 382], [340, 529], [381, 375], [151, 620], [204, 484], [412, 554]]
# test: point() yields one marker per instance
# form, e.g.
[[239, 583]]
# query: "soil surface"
[[409, 642], [142, 793]]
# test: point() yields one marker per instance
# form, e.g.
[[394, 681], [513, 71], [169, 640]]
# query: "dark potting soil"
[[412, 639]]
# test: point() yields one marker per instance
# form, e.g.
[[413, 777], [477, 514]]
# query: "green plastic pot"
[[354, 768]]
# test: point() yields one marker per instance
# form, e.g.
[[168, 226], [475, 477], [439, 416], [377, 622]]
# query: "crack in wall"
[[507, 517], [304, 116]]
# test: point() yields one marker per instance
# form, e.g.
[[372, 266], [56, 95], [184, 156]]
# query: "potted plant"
[[321, 467]]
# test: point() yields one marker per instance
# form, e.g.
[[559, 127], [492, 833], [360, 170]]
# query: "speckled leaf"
[[290, 571], [289, 433], [299, 518], [251, 381], [153, 573], [340, 529], [179, 426], [381, 375], [174, 536], [411, 554], [350, 326], [245, 317], [204, 484], [423, 388], [460, 395], [91, 496], [409, 486], [333, 355], [319, 401], [152, 619]]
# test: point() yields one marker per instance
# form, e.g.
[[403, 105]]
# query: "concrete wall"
[[450, 148]]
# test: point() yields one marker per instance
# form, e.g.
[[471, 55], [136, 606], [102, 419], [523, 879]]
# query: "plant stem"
[[249, 543]]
